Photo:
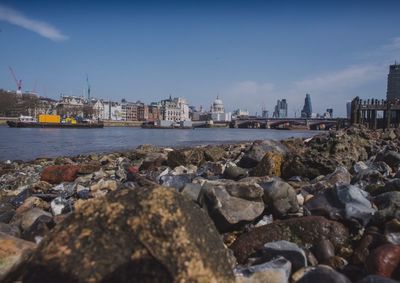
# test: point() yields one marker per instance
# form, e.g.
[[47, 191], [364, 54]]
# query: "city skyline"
[[250, 54]]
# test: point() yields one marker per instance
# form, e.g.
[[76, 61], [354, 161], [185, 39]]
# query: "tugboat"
[[52, 121]]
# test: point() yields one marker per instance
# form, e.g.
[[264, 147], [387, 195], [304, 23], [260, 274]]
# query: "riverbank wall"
[[308, 210]]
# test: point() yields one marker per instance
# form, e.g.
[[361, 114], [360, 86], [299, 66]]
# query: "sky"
[[249, 53]]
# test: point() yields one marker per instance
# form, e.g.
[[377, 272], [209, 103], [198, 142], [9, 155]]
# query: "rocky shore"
[[324, 209]]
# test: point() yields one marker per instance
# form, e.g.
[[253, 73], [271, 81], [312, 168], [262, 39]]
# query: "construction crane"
[[88, 87], [17, 82]]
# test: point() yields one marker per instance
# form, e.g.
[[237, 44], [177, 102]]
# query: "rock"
[[106, 185], [141, 235], [59, 173], [388, 206], [340, 176], [258, 150], [7, 212], [392, 231], [32, 202], [359, 167], [153, 161], [30, 216], [232, 205], [89, 167], [302, 231], [185, 157], [10, 229], [281, 197], [176, 181], [234, 172], [288, 250], [384, 260], [83, 192], [324, 250], [397, 175], [342, 202], [12, 252], [19, 199], [275, 271], [192, 191], [60, 205], [376, 279], [319, 273], [38, 229], [270, 165], [382, 168], [214, 153], [41, 187], [390, 157], [370, 239], [211, 170], [389, 135]]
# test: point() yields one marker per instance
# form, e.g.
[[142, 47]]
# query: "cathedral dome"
[[218, 106]]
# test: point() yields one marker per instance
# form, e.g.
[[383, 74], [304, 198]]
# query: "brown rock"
[[185, 157], [59, 173], [270, 165], [12, 252], [214, 153], [305, 230], [384, 260], [90, 167], [142, 235], [32, 202]]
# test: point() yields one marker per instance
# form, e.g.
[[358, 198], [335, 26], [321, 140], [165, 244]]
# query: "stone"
[[389, 135], [275, 271], [211, 169], [83, 192], [41, 187], [319, 273], [153, 161], [340, 176], [149, 234], [30, 216], [384, 260], [106, 185], [7, 212], [359, 167], [32, 202], [390, 157], [89, 167], [376, 279], [302, 231], [19, 199], [38, 229], [388, 206], [382, 168], [214, 153], [392, 231], [281, 197], [232, 205], [60, 205], [288, 250], [258, 150], [192, 191], [13, 251], [59, 173], [10, 229], [185, 157], [323, 250], [176, 181], [371, 238], [234, 172], [270, 165]]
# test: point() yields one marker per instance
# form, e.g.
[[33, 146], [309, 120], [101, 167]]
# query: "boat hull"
[[15, 124]]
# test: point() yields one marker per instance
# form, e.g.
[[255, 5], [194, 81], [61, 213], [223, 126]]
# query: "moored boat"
[[52, 121]]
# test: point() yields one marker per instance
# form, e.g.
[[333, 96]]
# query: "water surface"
[[30, 143]]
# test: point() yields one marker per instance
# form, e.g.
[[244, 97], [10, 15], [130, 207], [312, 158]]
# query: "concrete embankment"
[[323, 209]]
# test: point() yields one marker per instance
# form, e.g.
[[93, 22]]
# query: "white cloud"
[[44, 29]]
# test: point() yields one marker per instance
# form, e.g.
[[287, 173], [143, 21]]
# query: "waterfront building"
[[154, 112], [97, 109], [112, 111], [329, 113], [129, 111], [393, 84], [217, 112], [240, 113], [281, 109], [71, 106], [175, 109], [348, 109], [307, 108], [143, 111]]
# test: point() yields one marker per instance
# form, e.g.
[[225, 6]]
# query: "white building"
[[217, 112], [112, 111], [175, 109]]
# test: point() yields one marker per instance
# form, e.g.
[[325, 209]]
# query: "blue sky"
[[251, 53]]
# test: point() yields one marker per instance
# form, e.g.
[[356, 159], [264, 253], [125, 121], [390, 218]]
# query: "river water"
[[30, 143]]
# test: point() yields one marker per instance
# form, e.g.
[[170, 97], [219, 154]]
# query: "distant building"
[[307, 108], [348, 109], [281, 109], [264, 113], [240, 113], [330, 112], [175, 109], [112, 111], [71, 106], [129, 111], [393, 84], [154, 112], [217, 112]]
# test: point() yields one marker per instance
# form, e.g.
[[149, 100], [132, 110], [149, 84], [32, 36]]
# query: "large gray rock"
[[281, 197], [233, 204], [291, 251], [340, 176], [275, 271], [388, 206], [148, 234]]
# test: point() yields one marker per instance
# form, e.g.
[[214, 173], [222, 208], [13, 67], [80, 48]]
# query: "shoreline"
[[274, 197]]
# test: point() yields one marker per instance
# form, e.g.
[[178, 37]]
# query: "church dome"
[[218, 106]]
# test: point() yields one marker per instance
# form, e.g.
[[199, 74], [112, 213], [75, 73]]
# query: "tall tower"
[[393, 86], [307, 108]]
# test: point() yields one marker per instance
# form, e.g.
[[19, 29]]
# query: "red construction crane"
[[17, 82]]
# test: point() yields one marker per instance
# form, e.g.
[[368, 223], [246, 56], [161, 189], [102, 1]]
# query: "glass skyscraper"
[[307, 108], [393, 85]]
